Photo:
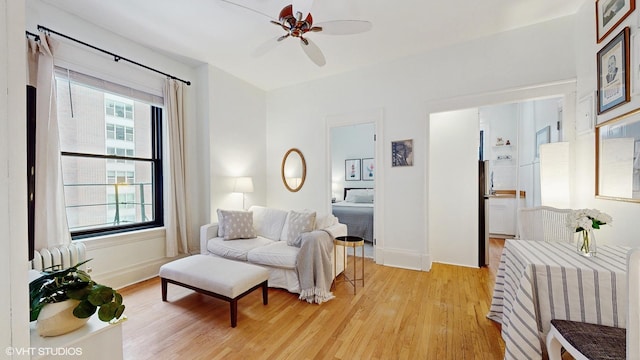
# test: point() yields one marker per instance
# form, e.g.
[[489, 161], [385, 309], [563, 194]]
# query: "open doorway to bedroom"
[[353, 180]]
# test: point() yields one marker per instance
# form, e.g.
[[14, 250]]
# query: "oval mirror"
[[293, 170]]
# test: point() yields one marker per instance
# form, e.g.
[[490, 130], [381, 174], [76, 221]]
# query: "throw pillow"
[[298, 223], [220, 223], [238, 225]]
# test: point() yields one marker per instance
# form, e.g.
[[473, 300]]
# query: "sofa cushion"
[[298, 223], [238, 225], [277, 254], [236, 249], [268, 222]]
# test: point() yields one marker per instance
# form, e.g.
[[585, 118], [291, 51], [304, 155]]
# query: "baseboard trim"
[[403, 259], [130, 275]]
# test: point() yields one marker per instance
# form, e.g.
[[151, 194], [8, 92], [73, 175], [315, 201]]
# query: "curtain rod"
[[36, 37], [116, 57]]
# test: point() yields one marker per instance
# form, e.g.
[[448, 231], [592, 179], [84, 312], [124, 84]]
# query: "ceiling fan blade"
[[248, 8], [313, 51], [267, 46], [280, 24], [344, 27]]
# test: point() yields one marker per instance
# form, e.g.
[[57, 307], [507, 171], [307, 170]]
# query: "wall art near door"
[[613, 72], [368, 168], [610, 13], [352, 169], [402, 153]]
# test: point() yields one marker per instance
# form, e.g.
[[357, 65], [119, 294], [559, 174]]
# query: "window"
[[116, 108], [111, 160], [119, 132]]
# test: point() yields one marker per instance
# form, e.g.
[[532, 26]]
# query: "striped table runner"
[[539, 281]]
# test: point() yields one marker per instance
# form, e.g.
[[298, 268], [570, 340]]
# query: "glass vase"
[[586, 244]]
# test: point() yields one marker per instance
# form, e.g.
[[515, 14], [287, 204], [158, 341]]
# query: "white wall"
[[236, 139], [624, 214], [14, 304], [350, 142], [408, 90], [454, 140], [501, 122]]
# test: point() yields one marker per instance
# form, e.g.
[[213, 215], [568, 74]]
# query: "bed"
[[356, 211]]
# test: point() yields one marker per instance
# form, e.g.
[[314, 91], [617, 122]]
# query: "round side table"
[[352, 242]]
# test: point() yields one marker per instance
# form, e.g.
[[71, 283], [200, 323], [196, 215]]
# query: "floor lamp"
[[243, 185]]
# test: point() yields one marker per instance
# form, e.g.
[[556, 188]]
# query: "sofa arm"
[[207, 232], [337, 230]]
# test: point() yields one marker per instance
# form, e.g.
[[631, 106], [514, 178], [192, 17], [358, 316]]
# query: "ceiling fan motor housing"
[[297, 27]]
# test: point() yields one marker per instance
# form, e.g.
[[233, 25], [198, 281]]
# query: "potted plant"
[[83, 296]]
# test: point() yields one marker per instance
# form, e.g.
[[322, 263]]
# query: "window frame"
[[157, 189]]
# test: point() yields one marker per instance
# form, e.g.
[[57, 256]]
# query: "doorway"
[[453, 139], [355, 174], [353, 180]]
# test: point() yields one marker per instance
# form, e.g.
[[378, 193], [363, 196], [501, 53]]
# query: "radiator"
[[62, 257]]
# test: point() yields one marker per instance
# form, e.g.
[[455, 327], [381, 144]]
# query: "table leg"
[[362, 264], [355, 273]]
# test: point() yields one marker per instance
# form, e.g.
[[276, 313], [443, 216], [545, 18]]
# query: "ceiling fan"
[[297, 25]]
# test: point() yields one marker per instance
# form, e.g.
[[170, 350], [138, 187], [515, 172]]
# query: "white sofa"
[[269, 247]]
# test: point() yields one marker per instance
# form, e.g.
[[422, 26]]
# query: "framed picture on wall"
[[368, 168], [609, 14], [402, 153], [352, 169], [543, 136], [613, 73]]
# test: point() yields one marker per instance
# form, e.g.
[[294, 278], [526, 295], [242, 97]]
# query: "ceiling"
[[224, 35]]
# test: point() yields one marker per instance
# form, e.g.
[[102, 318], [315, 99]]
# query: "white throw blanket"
[[314, 266]]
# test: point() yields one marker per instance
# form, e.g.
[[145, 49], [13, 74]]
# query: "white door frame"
[[374, 116]]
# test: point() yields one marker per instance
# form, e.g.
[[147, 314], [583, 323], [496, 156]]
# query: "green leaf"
[[84, 310], [117, 298], [107, 311], [100, 295], [119, 311], [79, 294], [83, 276]]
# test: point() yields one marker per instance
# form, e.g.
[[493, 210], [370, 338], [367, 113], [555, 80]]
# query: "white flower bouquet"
[[584, 221]]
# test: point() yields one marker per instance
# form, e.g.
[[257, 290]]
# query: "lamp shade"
[[243, 185]]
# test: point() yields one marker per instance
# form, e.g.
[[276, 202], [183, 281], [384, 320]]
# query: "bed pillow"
[[238, 225], [298, 223], [364, 199], [352, 193]]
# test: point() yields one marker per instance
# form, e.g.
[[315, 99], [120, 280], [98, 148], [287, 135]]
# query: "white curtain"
[[175, 202], [51, 228]]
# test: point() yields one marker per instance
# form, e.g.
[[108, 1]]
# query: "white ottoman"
[[218, 277]]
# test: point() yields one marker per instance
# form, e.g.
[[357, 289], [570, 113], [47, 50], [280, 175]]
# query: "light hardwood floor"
[[398, 314]]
